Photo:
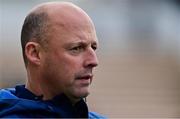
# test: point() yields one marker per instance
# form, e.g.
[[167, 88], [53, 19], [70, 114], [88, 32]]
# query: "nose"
[[91, 59]]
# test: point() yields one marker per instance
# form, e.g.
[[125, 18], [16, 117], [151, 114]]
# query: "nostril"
[[91, 65], [92, 62], [91, 59]]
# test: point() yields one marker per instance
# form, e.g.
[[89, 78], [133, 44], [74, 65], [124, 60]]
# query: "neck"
[[33, 83], [34, 89], [39, 87], [37, 90]]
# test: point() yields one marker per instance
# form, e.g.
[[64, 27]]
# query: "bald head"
[[43, 17]]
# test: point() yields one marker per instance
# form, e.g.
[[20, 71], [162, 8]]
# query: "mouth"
[[84, 77], [84, 80]]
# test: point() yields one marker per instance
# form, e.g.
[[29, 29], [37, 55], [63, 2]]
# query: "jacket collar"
[[61, 103]]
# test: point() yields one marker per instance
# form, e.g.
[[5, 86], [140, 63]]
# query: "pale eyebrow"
[[74, 44], [71, 44]]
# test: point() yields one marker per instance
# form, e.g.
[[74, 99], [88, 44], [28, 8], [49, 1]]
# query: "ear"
[[32, 52]]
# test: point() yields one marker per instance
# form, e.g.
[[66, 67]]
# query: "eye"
[[77, 49]]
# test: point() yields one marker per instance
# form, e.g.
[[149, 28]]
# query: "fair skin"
[[66, 66]]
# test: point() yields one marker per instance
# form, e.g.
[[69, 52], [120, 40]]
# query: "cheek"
[[71, 63], [65, 67], [56, 74]]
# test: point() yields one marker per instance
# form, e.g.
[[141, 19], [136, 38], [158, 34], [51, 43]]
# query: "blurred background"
[[139, 71]]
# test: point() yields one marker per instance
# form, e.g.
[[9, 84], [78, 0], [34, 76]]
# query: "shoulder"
[[11, 106], [8, 93], [95, 115], [7, 102]]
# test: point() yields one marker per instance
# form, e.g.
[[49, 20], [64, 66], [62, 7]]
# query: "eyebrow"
[[80, 43]]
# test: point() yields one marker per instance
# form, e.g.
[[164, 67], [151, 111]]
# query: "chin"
[[85, 95], [82, 94]]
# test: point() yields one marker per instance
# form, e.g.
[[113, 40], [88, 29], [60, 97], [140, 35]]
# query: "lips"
[[84, 77]]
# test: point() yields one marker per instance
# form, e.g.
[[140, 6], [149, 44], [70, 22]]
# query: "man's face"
[[68, 63]]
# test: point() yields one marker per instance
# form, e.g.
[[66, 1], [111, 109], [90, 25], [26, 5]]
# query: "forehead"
[[69, 23], [66, 34], [71, 28]]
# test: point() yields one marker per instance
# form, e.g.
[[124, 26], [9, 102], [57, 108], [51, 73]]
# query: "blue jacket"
[[21, 103]]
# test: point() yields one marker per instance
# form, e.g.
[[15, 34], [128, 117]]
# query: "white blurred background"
[[139, 71]]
